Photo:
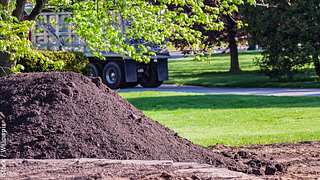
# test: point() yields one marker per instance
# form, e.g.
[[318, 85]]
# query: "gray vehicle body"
[[52, 32]]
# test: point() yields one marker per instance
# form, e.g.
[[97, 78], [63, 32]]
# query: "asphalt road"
[[231, 91]]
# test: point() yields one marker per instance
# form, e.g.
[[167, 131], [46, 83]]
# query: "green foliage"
[[53, 61], [229, 21], [287, 31], [13, 35], [17, 68], [112, 26], [154, 22], [14, 42]]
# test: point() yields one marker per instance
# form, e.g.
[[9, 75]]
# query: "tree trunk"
[[19, 8], [316, 62], [5, 63], [40, 4], [234, 58], [19, 11]]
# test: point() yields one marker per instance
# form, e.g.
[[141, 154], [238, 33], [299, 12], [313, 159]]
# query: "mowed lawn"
[[213, 72], [233, 120]]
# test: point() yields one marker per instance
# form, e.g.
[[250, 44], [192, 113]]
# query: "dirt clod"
[[166, 175], [244, 154]]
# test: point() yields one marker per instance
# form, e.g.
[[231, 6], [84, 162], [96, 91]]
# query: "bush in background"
[[287, 31], [46, 61]]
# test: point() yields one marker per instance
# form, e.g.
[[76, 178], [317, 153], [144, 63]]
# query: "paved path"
[[234, 91]]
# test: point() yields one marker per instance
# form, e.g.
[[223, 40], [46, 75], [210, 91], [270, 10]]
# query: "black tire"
[[151, 84], [150, 80], [112, 76], [92, 70], [130, 85]]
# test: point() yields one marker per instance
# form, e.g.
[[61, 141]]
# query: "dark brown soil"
[[302, 160], [67, 115]]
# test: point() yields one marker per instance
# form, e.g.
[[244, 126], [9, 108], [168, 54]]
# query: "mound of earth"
[[67, 115]]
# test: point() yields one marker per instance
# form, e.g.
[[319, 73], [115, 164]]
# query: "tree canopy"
[[287, 31], [151, 23]]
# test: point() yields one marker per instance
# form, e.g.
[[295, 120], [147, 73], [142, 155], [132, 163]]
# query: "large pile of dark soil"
[[67, 115]]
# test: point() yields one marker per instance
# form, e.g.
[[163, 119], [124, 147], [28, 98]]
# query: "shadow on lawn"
[[222, 102], [243, 79], [182, 74]]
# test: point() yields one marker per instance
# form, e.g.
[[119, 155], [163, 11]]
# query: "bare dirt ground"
[[302, 160], [115, 169]]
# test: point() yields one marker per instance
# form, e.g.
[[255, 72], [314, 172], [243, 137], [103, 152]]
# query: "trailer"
[[53, 32], [120, 72]]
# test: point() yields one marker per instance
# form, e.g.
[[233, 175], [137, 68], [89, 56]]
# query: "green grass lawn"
[[233, 120], [214, 73]]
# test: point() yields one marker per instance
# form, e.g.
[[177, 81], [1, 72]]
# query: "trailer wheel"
[[92, 70], [151, 84], [112, 75], [130, 85], [150, 81]]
